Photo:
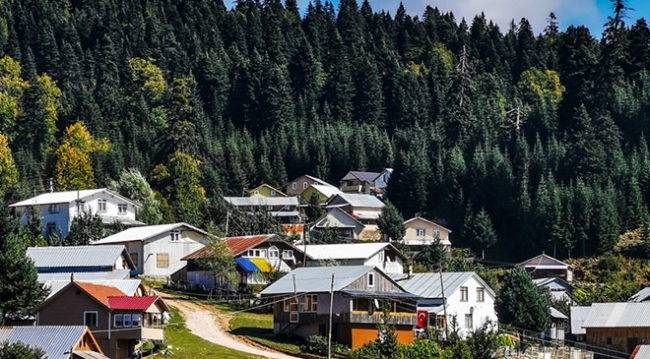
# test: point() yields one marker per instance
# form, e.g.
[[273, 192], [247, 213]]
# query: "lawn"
[[188, 346], [259, 328]]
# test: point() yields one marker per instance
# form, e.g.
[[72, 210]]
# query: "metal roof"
[[552, 282], [316, 279], [55, 341], [556, 313], [100, 292], [343, 251], [362, 176], [127, 286], [145, 232], [641, 352], [78, 256], [89, 355], [641, 295], [578, 317], [67, 197], [262, 201], [132, 302], [379, 295], [330, 220], [618, 315], [544, 261], [358, 200], [427, 285], [120, 219], [327, 191], [85, 276], [320, 181]]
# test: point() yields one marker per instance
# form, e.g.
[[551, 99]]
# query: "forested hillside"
[[546, 134]]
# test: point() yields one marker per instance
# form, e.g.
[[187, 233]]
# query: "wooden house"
[[615, 329], [382, 255], [358, 182], [545, 266], [359, 293], [300, 184], [57, 342]]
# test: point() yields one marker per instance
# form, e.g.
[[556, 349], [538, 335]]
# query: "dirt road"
[[203, 323]]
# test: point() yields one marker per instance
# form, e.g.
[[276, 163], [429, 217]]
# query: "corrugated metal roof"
[[318, 180], [327, 191], [359, 200], [67, 197], [85, 276], [343, 251], [618, 315], [78, 256], [641, 352], [543, 260], [427, 285], [236, 244], [131, 302], [382, 295], [556, 313], [262, 201], [578, 317], [330, 220], [428, 221], [100, 292], [641, 295], [316, 279], [55, 341], [145, 232], [127, 286], [362, 176], [89, 355]]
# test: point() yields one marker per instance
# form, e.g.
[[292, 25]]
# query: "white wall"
[[91, 205], [176, 250], [387, 266], [482, 311]]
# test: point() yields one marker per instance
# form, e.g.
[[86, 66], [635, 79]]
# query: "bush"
[[420, 349], [368, 351], [315, 344]]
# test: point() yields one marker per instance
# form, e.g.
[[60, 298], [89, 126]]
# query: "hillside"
[[546, 133]]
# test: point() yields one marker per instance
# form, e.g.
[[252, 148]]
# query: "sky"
[[592, 13]]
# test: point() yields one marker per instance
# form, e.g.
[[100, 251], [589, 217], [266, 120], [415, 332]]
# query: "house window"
[[287, 254], [162, 260], [134, 258], [274, 253], [480, 294], [121, 208], [51, 228], [175, 235], [294, 317], [464, 294], [273, 193], [436, 233], [381, 256], [469, 321], [294, 185], [270, 208], [127, 321], [287, 208], [119, 319], [305, 185], [309, 303], [371, 279], [101, 205], [293, 305], [314, 303], [421, 232], [136, 319], [54, 208], [91, 319], [256, 193], [609, 340]]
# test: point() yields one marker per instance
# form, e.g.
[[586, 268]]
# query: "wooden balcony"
[[362, 317]]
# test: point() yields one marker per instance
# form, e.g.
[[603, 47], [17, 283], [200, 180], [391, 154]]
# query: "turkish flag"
[[423, 318]]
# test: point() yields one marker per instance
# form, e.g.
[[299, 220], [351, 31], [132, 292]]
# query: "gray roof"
[[578, 317], [54, 340], [643, 352], [145, 232], [85, 276], [427, 285], [67, 197], [641, 295], [126, 286], [262, 201], [363, 176], [359, 200], [316, 279], [618, 315], [552, 283], [556, 313], [79, 256]]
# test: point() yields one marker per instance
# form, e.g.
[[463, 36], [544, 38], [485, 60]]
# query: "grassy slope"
[[259, 328]]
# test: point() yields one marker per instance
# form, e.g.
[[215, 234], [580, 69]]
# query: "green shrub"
[[368, 351], [420, 349], [505, 341], [315, 344]]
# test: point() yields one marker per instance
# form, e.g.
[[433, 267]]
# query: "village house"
[[615, 329], [157, 250], [460, 295], [322, 192], [577, 316], [343, 224], [285, 209], [381, 181], [59, 209], [256, 257], [422, 232], [360, 294], [358, 182], [56, 263], [559, 326], [364, 208], [300, 184], [545, 266], [559, 289], [118, 322], [265, 191], [382, 255], [131, 287], [58, 342]]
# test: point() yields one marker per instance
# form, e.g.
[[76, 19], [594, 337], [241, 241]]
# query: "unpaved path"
[[203, 323]]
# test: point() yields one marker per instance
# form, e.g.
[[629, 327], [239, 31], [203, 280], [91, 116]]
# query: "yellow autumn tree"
[[8, 171], [12, 87], [545, 86], [148, 77], [73, 169], [51, 99]]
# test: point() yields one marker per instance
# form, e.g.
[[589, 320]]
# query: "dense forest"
[[540, 138]]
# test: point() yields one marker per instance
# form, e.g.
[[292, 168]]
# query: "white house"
[[468, 299], [382, 255], [157, 250], [58, 209], [105, 262]]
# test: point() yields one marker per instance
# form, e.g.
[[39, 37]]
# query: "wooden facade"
[[616, 342]]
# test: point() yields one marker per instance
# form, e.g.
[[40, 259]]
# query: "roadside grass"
[[259, 329], [185, 345]]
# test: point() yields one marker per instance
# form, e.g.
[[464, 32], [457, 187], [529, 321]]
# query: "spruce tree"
[[391, 224]]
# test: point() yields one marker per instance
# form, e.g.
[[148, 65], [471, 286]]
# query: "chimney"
[[410, 271], [72, 277]]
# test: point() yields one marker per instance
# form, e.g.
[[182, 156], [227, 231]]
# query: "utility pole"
[[329, 335], [227, 221]]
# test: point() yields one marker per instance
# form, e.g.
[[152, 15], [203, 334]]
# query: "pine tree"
[[522, 304], [391, 223]]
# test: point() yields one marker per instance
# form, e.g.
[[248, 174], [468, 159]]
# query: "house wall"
[[382, 283], [387, 265], [300, 183], [265, 192], [357, 335], [411, 231], [481, 311], [306, 195], [620, 337], [176, 250], [382, 180], [61, 220]]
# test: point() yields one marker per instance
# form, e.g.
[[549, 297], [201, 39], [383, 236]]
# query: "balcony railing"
[[363, 317]]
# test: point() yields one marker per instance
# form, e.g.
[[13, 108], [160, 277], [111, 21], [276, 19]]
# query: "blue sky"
[[592, 13]]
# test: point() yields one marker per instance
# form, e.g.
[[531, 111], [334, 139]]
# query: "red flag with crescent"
[[423, 318]]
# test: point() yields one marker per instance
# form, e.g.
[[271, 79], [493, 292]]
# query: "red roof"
[[237, 245], [131, 303], [99, 292]]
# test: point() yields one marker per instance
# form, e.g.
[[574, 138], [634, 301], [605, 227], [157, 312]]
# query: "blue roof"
[[247, 264]]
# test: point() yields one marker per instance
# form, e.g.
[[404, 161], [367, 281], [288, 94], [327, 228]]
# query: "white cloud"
[[503, 11]]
